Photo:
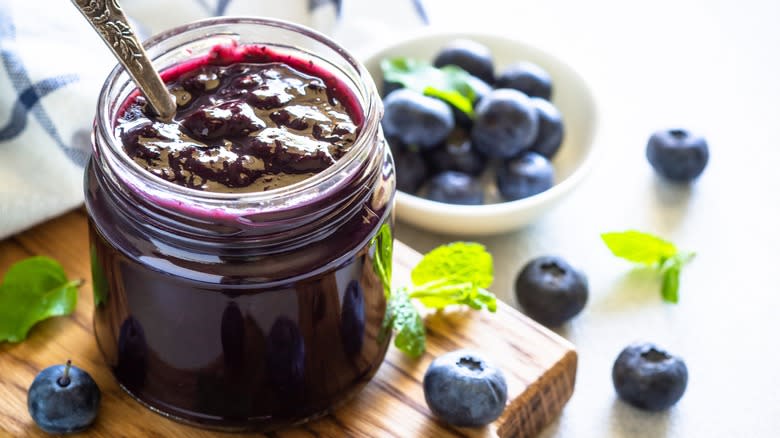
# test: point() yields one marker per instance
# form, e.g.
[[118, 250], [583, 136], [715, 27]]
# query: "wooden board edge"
[[536, 407]]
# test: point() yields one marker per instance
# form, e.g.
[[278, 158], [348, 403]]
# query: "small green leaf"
[[453, 97], [454, 263], [671, 284], [408, 325], [639, 247], [33, 290], [383, 257], [449, 83]]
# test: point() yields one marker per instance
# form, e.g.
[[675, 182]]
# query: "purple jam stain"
[[249, 119]]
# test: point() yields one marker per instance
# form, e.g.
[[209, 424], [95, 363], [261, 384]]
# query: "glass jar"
[[242, 311]]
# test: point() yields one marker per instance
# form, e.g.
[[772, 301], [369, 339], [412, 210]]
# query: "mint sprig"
[[454, 274], [33, 290], [449, 83], [652, 251]]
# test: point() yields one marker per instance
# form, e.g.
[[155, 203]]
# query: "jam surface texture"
[[248, 120]]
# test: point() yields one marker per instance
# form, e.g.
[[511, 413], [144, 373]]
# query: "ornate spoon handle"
[[108, 19]]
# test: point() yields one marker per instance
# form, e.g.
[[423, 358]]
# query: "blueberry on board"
[[550, 135], [63, 399], [505, 123], [526, 77], [648, 377], [677, 154], [464, 389], [524, 176], [550, 290], [458, 154], [410, 167], [469, 55], [455, 188], [353, 318], [416, 119]]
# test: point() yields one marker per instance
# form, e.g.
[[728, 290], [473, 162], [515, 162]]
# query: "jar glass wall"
[[241, 311]]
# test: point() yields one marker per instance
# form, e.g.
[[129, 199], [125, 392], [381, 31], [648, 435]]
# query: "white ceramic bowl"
[[570, 94]]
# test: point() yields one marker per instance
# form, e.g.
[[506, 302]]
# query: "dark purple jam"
[[251, 322], [242, 126]]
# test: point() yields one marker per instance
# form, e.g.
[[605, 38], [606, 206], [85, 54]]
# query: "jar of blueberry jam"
[[240, 250]]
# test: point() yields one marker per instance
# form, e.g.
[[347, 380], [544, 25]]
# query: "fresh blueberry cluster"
[[442, 153]]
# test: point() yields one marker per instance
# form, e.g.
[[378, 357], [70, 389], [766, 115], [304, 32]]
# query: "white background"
[[711, 66]]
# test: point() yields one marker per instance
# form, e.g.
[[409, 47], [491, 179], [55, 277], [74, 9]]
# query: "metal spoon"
[[108, 19]]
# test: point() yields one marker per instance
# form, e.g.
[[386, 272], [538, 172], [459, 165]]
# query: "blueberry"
[[505, 123], [469, 55], [677, 154], [550, 135], [550, 290], [457, 154], [410, 167], [416, 119], [528, 78], [524, 176], [648, 377], [63, 399], [464, 389], [389, 87], [455, 188]]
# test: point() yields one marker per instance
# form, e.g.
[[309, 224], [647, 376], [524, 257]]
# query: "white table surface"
[[711, 66]]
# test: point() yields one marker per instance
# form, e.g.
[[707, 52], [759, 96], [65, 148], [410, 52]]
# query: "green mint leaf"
[[383, 257], [33, 290], [455, 263], [456, 99], [407, 323], [450, 83], [671, 284], [639, 247]]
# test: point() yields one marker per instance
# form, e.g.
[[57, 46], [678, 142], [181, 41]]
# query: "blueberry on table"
[[469, 55], [63, 399], [458, 154], [388, 87], [455, 188], [648, 377], [550, 135], [505, 123], [416, 119], [550, 290], [410, 167], [523, 176], [677, 154], [464, 389], [526, 77]]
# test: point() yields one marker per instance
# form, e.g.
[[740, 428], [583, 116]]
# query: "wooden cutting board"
[[540, 366]]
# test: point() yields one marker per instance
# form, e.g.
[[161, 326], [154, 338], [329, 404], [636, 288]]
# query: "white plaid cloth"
[[52, 66]]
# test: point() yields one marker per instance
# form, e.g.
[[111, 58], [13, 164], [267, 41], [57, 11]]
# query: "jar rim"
[[370, 105]]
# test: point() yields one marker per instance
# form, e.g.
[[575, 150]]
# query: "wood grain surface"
[[540, 367]]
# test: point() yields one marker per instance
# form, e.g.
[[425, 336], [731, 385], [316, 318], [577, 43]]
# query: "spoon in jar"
[[110, 22]]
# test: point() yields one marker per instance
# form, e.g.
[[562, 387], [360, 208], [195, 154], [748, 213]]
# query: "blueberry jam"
[[242, 126], [251, 315]]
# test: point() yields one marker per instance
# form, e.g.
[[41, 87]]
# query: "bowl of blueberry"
[[487, 132]]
